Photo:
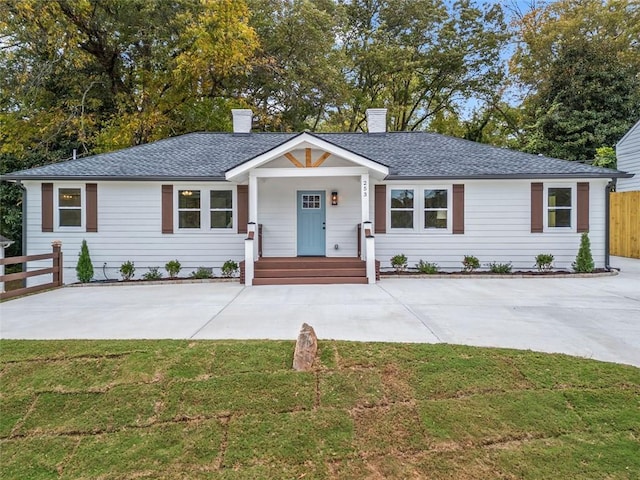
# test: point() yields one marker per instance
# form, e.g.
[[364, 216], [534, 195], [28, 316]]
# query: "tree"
[[579, 61], [84, 268], [417, 58], [605, 157]]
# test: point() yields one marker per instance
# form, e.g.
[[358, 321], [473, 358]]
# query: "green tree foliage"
[[417, 58], [84, 268], [605, 157], [584, 259], [580, 61]]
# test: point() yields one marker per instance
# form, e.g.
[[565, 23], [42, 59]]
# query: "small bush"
[[153, 274], [84, 267], [229, 269], [173, 268], [470, 263], [584, 259], [426, 267], [202, 272], [544, 262], [399, 262], [495, 267], [127, 270]]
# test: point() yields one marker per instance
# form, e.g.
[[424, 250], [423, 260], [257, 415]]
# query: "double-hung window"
[[559, 207], [202, 210], [221, 208], [402, 208], [189, 209], [69, 207], [435, 208]]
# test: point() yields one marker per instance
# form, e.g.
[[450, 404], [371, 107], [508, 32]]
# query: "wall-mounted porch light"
[[334, 198]]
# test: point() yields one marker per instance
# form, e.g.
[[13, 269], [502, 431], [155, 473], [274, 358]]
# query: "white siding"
[[628, 154], [497, 229], [129, 228], [277, 213]]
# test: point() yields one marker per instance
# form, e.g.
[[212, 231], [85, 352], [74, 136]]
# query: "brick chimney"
[[242, 120], [377, 120]]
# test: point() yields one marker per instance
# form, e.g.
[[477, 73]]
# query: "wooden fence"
[[624, 235], [55, 270]]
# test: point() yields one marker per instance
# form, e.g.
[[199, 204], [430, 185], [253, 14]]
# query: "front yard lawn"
[[236, 410]]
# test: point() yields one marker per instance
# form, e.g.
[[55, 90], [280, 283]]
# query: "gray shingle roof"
[[407, 154]]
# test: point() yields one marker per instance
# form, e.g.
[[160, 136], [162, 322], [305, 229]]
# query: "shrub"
[[229, 268], [495, 267], [399, 262], [153, 274], [426, 267], [84, 267], [584, 260], [173, 268], [544, 262], [127, 270], [470, 263], [202, 272]]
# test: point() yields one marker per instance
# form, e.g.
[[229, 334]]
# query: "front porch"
[[309, 270]]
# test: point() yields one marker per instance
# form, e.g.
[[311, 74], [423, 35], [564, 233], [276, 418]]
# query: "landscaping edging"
[[177, 281], [390, 275]]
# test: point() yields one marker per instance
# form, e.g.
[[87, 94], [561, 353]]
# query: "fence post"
[[57, 262]]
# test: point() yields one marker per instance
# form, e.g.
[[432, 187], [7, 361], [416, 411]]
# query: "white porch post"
[[249, 254], [364, 189], [253, 198], [370, 251]]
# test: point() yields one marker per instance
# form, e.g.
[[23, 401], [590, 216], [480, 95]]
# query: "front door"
[[311, 224]]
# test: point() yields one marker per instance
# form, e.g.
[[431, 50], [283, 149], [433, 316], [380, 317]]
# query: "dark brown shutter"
[[583, 207], [47, 207], [537, 192], [458, 209], [167, 208], [243, 208], [91, 190], [380, 205]]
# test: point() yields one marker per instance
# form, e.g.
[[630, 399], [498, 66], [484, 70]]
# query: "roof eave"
[[136, 178], [527, 176]]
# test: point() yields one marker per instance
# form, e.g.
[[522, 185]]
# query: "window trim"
[[56, 208], [419, 209], [211, 209], [205, 209], [449, 209], [390, 210], [545, 207]]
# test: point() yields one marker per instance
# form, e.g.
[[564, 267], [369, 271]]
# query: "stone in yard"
[[306, 348]]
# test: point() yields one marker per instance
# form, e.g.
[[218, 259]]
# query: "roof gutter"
[[106, 178]]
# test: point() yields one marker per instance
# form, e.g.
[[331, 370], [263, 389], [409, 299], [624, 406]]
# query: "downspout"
[[611, 187]]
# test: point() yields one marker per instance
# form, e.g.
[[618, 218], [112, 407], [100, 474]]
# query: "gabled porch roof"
[[305, 140]]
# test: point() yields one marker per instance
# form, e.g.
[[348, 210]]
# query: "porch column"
[[253, 198], [364, 194]]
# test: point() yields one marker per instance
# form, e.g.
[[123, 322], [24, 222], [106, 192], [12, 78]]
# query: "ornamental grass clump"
[[584, 259], [427, 267], [84, 267], [154, 273]]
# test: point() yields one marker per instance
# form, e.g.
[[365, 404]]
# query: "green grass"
[[236, 410]]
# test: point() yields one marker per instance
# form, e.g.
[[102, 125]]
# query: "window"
[[311, 201], [435, 209], [69, 207], [221, 208], [559, 210], [188, 208], [402, 208]]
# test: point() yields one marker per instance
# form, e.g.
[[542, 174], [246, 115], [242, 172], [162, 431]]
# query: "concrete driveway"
[[589, 317]]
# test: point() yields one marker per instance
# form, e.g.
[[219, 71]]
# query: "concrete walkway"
[[589, 317]]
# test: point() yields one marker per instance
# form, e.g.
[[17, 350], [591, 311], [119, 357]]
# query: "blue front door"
[[311, 224]]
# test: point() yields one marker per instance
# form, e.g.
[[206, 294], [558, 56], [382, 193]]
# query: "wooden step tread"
[[308, 280], [309, 265], [305, 272]]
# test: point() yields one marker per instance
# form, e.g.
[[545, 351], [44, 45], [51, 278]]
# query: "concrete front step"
[[308, 272], [308, 280]]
